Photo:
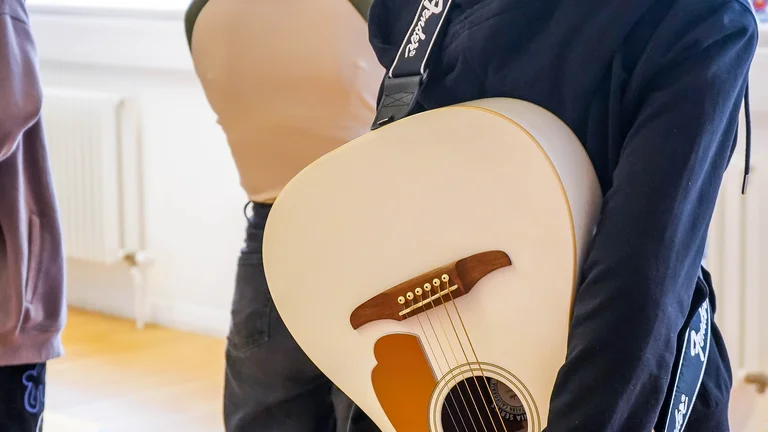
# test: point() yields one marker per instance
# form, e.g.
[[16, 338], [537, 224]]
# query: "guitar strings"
[[493, 400], [447, 362], [428, 288], [436, 282], [439, 369]]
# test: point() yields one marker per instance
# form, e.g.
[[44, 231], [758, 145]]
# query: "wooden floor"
[[115, 378], [126, 380]]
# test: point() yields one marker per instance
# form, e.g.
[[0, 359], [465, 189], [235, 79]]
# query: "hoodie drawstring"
[[748, 149]]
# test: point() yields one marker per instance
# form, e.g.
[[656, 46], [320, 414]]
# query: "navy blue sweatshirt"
[[653, 89]]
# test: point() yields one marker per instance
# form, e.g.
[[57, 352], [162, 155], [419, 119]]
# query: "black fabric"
[[190, 18], [22, 398], [270, 384], [362, 7], [653, 89]]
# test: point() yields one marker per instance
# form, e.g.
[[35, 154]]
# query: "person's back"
[[32, 306], [653, 91], [289, 80]]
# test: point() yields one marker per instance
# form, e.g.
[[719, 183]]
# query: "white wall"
[[194, 213]]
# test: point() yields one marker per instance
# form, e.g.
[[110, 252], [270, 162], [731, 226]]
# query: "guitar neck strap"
[[406, 77], [398, 95], [691, 363]]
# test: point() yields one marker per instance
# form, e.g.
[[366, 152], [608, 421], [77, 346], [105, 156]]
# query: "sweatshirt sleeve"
[[640, 274], [20, 94]]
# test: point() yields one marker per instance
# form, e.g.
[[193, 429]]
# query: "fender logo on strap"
[[402, 84], [697, 338], [435, 7], [412, 57], [690, 371]]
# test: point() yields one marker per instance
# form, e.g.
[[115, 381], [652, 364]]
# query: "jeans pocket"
[[251, 306]]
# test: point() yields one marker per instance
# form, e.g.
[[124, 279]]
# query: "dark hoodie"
[[653, 89]]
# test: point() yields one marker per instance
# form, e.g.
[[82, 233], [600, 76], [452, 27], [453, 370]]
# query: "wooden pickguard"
[[403, 381]]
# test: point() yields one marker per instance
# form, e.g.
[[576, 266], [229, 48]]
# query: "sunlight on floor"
[[58, 423], [115, 378]]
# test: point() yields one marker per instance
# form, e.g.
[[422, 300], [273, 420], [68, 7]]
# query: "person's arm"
[[641, 270], [20, 95]]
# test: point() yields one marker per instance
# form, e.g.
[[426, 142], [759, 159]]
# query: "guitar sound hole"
[[470, 406]]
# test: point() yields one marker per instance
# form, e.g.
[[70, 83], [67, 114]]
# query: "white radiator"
[[93, 147]]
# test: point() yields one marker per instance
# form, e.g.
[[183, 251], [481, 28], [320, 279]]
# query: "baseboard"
[[109, 290], [184, 317], [191, 318]]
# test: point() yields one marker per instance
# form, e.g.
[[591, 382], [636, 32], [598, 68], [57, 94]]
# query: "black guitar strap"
[[399, 91], [408, 73], [692, 361]]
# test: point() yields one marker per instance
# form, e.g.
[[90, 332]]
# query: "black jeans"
[[271, 385], [22, 398]]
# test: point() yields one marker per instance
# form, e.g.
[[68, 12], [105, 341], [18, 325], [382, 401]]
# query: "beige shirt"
[[289, 80]]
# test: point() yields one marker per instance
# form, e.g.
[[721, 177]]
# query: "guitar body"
[[428, 267]]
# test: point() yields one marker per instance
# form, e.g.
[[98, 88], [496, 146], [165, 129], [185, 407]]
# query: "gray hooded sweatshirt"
[[32, 307]]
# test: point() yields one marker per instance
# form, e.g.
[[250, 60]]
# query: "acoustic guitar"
[[428, 267]]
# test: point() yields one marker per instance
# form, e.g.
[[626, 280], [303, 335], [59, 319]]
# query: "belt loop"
[[245, 209]]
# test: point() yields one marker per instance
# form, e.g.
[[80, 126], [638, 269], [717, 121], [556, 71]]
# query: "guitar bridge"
[[429, 300], [429, 290]]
